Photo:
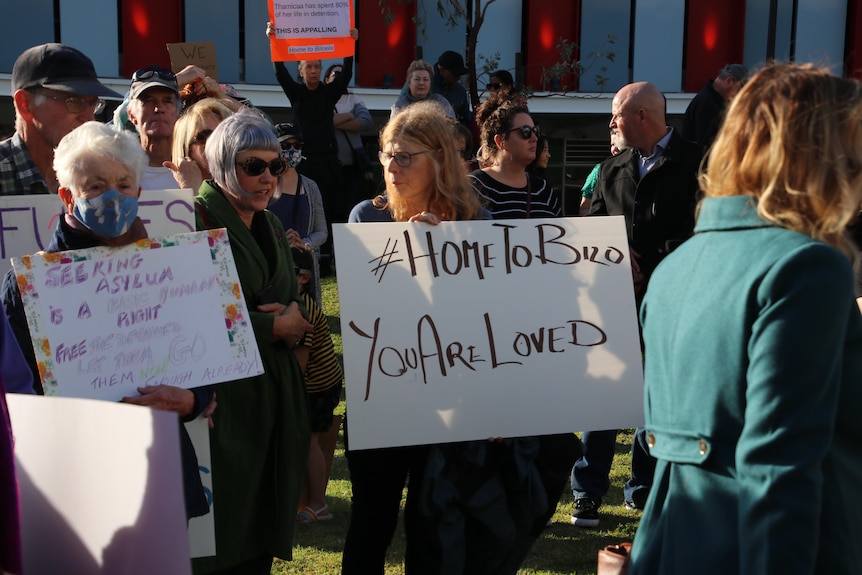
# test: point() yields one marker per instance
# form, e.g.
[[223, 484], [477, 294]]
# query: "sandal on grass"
[[309, 515]]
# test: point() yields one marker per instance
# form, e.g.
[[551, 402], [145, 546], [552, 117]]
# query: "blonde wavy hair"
[[193, 121], [425, 125], [792, 138]]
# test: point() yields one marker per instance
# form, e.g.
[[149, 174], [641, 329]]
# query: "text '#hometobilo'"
[[548, 246]]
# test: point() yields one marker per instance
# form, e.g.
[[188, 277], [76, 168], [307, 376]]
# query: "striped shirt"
[[323, 371], [18, 174], [506, 203]]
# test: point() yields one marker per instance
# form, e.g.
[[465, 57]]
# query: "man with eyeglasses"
[[54, 90], [705, 112], [154, 107]]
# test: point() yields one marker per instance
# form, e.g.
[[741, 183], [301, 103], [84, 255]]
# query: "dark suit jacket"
[[659, 209]]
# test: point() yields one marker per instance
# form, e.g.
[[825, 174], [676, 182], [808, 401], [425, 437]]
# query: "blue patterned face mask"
[[109, 215], [293, 156]]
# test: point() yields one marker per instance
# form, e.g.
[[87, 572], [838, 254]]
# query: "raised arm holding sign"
[[313, 102]]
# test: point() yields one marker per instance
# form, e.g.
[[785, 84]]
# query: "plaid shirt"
[[18, 174]]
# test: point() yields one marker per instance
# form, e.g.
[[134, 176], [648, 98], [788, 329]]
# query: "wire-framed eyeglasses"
[[76, 104], [403, 159]]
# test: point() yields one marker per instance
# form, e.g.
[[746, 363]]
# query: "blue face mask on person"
[[292, 156], [109, 215]]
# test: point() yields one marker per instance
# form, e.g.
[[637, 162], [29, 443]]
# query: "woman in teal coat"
[[260, 439], [753, 346]]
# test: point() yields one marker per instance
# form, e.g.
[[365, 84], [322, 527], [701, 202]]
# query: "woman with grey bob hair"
[[229, 139], [260, 439]]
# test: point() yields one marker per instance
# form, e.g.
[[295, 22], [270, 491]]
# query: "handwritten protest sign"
[[100, 485], [470, 330], [27, 222], [311, 29], [201, 54], [161, 311]]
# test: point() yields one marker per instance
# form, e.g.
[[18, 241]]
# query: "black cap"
[[58, 67], [285, 131], [453, 62]]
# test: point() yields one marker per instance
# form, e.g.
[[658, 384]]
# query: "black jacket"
[[703, 116], [659, 209]]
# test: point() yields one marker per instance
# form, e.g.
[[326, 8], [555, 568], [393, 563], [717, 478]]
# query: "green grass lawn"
[[562, 549]]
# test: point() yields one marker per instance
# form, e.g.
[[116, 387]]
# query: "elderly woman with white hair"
[[99, 170], [260, 440]]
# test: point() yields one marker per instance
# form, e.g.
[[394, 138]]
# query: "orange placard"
[[311, 29]]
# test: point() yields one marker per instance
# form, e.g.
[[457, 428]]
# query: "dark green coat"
[[261, 435], [753, 381]]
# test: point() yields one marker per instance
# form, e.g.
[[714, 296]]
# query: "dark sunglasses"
[[295, 145], [526, 131], [150, 71], [255, 166], [494, 86], [201, 137]]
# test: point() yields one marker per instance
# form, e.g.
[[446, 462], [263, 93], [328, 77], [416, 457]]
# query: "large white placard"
[[471, 330], [101, 487], [27, 223], [162, 311]]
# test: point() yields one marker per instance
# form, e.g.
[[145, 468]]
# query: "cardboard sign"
[[311, 29], [101, 487], [27, 223], [200, 54], [478, 329], [162, 311]]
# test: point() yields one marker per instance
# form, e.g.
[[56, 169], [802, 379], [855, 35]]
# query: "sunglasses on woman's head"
[[494, 86], [150, 71], [526, 131], [255, 166]]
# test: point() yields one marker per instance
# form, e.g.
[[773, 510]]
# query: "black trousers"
[[378, 478]]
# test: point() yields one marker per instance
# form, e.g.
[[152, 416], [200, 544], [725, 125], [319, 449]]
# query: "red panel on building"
[[545, 23], [146, 28], [385, 48], [715, 37], [853, 67]]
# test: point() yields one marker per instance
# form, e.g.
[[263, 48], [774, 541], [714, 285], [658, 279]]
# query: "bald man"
[[653, 184]]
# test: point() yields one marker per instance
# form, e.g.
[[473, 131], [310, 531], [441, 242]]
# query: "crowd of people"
[[741, 267]]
